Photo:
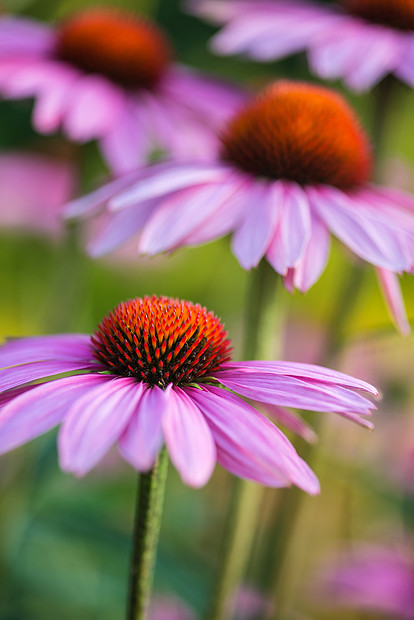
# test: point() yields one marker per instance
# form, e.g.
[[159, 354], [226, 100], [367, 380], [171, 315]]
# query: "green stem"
[[291, 499], [148, 513], [260, 341]]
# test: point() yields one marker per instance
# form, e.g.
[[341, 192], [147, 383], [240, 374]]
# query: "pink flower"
[[360, 41], [294, 167], [158, 371], [167, 607], [372, 578], [108, 75], [32, 189]]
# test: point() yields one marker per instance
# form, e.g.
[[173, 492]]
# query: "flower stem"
[[262, 315], [148, 513]]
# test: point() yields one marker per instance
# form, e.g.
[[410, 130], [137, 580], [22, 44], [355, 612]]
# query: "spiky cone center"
[[397, 14], [299, 132], [125, 48], [159, 340]]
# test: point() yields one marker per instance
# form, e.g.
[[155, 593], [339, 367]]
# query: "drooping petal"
[[292, 392], [24, 36], [292, 421], [314, 258], [37, 410], [165, 178], [120, 227], [95, 422], [295, 223], [182, 213], [189, 440], [248, 444], [366, 235], [143, 437], [96, 106], [18, 375], [302, 371], [392, 294], [65, 347], [261, 215]]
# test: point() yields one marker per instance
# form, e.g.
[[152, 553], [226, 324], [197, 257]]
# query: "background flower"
[[360, 41]]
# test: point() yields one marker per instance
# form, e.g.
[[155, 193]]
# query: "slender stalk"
[[148, 513], [262, 313], [291, 500]]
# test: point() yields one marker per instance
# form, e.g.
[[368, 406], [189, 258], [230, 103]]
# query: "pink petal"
[[182, 213], [96, 105], [95, 422], [366, 235], [188, 438], [248, 444], [120, 227], [37, 410], [142, 439], [315, 256], [18, 375], [392, 294], [262, 212], [165, 178], [89, 204], [128, 144], [292, 421], [23, 36], [302, 371], [70, 347], [295, 223], [292, 392]]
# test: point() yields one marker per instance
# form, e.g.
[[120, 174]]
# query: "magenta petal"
[[261, 215], [121, 227], [188, 438], [302, 371], [143, 438], [40, 408], [315, 256], [95, 422], [18, 375], [392, 294], [70, 347], [292, 421], [295, 223], [25, 37], [292, 392], [248, 444]]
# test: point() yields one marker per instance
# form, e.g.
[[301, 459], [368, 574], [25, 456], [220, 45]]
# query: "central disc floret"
[[119, 45], [300, 132], [160, 340], [393, 13]]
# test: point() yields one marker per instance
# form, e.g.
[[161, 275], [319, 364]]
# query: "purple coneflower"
[[376, 579], [294, 167], [360, 41], [158, 370], [107, 74]]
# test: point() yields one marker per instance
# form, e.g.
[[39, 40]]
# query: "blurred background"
[[64, 542]]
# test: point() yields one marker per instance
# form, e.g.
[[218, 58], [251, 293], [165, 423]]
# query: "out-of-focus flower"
[[360, 41], [169, 608], [294, 167], [32, 189], [158, 371], [108, 75], [372, 578]]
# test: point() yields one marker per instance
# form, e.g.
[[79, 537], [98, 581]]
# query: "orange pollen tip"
[[299, 132], [397, 14], [184, 344], [125, 48]]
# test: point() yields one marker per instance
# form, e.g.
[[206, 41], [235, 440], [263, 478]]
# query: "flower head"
[[360, 41], [293, 167], [158, 370], [108, 74]]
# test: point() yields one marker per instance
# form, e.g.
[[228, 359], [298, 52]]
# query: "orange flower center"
[[128, 50], [393, 13], [300, 132], [160, 340]]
